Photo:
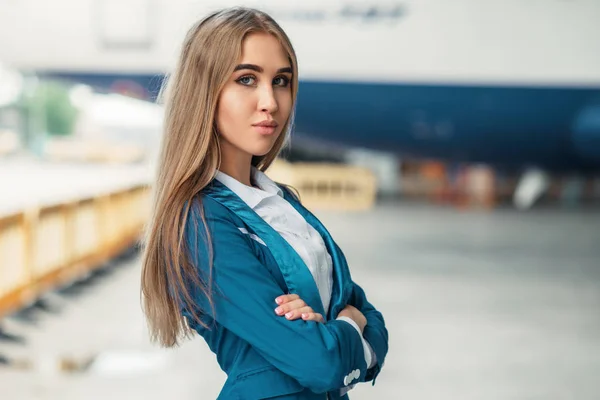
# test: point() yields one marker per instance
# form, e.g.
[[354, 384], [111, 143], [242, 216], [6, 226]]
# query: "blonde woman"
[[233, 255]]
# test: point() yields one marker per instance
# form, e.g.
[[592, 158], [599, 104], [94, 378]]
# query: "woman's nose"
[[267, 101]]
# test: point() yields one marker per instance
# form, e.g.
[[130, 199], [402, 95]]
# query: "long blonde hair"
[[189, 159]]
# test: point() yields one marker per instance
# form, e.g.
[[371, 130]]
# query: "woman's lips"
[[266, 127], [265, 130]]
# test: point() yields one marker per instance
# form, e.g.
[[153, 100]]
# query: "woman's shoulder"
[[209, 213], [213, 210], [210, 206]]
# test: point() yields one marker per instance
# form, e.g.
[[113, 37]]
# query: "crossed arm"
[[293, 307], [323, 353]]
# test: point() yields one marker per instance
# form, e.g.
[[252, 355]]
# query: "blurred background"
[[452, 148]]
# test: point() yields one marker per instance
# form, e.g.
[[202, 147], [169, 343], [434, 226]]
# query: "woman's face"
[[257, 100]]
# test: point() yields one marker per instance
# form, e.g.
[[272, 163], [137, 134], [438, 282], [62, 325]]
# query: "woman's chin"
[[260, 151]]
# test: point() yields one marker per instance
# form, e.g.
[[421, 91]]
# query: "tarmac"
[[479, 305]]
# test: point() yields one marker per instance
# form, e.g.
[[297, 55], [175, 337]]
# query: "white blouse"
[[268, 202]]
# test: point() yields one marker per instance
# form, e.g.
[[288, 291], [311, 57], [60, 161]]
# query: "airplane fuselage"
[[509, 83]]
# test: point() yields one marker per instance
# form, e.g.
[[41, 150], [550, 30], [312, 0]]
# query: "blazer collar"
[[342, 281]]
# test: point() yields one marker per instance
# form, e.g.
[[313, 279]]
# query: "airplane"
[[509, 83]]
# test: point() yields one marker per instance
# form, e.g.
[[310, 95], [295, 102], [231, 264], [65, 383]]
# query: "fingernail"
[[278, 310], [278, 301], [288, 315], [304, 315]]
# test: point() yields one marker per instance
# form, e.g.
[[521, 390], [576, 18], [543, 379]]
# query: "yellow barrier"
[[14, 272], [328, 186], [44, 248]]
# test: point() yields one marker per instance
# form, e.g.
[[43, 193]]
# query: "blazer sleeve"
[[375, 332], [318, 355]]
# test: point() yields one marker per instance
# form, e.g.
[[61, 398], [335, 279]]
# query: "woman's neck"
[[239, 169]]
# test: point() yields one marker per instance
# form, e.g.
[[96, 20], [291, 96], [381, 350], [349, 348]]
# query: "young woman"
[[233, 255]]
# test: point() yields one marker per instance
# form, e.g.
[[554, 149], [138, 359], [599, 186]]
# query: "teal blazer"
[[265, 355]]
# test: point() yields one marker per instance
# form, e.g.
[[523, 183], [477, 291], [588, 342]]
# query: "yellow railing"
[[42, 249], [328, 186]]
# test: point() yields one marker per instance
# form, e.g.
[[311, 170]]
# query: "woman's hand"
[[293, 307], [354, 314]]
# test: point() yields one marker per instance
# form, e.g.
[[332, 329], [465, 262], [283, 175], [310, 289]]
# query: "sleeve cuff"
[[370, 357]]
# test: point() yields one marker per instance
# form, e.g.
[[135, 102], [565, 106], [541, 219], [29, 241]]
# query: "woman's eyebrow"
[[260, 69]]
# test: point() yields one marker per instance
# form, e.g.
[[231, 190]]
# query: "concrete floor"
[[501, 305]]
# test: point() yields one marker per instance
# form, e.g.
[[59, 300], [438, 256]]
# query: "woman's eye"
[[281, 81], [246, 80]]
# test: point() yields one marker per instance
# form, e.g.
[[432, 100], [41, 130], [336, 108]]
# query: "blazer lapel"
[[342, 281], [296, 274]]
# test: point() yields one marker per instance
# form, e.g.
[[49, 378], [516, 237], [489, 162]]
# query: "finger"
[[286, 298], [313, 317], [292, 305], [297, 312]]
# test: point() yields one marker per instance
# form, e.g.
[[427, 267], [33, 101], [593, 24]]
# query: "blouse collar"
[[249, 194]]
